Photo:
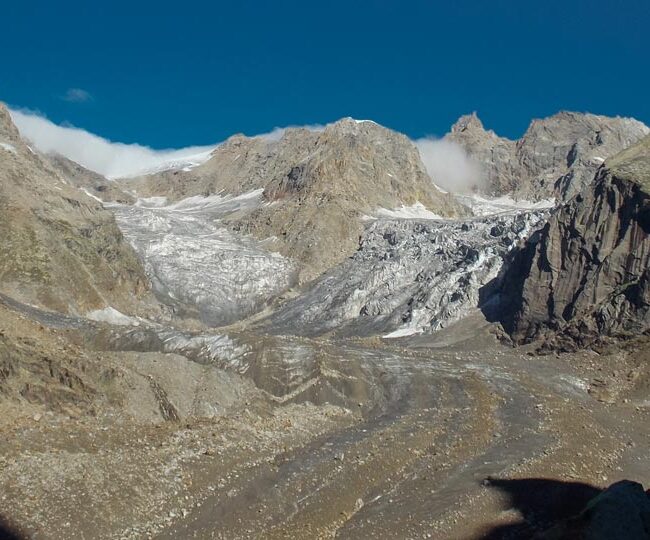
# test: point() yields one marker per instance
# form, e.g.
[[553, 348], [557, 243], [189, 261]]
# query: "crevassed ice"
[[199, 266]]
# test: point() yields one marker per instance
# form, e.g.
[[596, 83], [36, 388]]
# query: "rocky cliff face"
[[586, 274], [317, 186], [60, 248], [556, 157]]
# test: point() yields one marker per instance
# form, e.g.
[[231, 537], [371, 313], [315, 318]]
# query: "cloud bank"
[[111, 159], [449, 166]]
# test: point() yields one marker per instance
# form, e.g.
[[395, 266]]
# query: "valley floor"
[[447, 436]]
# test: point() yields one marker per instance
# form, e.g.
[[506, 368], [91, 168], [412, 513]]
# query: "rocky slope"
[[556, 157], [92, 183], [586, 274], [317, 185], [59, 247]]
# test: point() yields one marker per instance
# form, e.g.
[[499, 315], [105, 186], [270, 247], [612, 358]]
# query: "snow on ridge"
[[483, 206], [184, 163]]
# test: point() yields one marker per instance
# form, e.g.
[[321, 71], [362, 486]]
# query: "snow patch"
[[8, 147], [415, 211], [92, 196], [112, 316], [401, 332]]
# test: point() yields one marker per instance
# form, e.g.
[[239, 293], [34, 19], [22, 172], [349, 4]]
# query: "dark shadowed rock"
[[585, 275]]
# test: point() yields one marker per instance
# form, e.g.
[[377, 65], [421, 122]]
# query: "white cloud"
[[112, 159], [77, 95], [449, 166]]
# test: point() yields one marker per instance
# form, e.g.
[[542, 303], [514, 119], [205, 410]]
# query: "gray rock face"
[[556, 157], [319, 186], [60, 248], [408, 276], [586, 274]]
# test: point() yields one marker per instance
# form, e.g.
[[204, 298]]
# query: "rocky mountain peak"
[[8, 131], [556, 156], [318, 186], [468, 122]]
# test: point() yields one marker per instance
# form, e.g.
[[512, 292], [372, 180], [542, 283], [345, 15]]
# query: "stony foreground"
[[402, 449]]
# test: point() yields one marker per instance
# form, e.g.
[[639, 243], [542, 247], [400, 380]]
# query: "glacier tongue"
[[199, 266], [408, 276]]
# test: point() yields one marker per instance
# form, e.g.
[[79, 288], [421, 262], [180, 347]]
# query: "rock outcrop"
[[585, 276], [556, 157], [318, 185], [60, 249]]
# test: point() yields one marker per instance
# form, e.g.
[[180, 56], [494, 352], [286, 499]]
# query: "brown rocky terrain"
[[556, 157], [89, 181], [59, 247], [586, 274]]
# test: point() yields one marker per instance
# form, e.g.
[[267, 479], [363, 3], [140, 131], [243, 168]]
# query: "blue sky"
[[173, 74]]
